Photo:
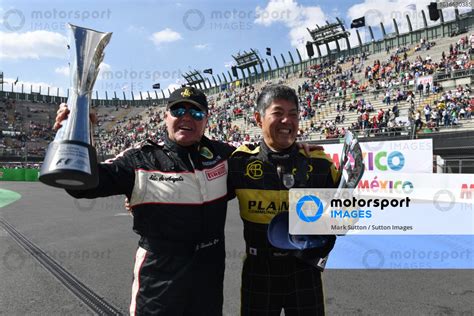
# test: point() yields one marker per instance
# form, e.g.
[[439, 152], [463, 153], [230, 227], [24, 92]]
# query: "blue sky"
[[158, 41]]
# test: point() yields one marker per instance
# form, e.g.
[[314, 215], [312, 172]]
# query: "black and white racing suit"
[[179, 200]]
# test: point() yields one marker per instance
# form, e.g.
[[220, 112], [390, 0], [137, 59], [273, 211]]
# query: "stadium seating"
[[26, 125]]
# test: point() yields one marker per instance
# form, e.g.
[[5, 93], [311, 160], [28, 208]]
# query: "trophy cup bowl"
[[71, 159]]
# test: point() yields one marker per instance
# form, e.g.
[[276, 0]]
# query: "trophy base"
[[70, 165]]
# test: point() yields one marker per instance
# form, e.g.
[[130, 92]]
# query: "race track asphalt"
[[93, 240]]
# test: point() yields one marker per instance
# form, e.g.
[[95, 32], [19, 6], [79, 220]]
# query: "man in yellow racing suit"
[[261, 176]]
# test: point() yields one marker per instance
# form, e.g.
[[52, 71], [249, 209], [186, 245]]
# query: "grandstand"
[[345, 90]]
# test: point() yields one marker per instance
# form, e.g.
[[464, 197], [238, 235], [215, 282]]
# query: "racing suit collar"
[[280, 155], [290, 165]]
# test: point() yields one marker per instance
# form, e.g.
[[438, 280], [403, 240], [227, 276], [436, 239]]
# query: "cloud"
[[136, 29], [229, 64], [32, 45], [165, 36], [286, 11], [105, 72], [297, 18], [62, 71], [294, 16], [376, 11], [103, 68], [171, 87], [201, 46], [386, 10]]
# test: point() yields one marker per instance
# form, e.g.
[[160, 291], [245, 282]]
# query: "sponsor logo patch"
[[216, 172], [206, 153], [254, 170]]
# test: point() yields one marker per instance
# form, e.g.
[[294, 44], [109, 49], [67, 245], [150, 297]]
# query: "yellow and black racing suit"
[[272, 278]]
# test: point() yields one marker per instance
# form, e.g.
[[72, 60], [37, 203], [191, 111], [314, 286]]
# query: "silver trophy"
[[352, 169], [71, 159]]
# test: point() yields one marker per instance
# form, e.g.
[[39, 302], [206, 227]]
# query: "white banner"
[[424, 80], [432, 204], [462, 185], [399, 156]]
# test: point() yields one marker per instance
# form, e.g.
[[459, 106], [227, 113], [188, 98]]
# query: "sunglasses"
[[197, 115]]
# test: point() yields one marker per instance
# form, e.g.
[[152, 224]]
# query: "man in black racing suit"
[[178, 193], [272, 278]]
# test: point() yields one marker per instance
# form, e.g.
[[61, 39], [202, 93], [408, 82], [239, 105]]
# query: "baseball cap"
[[279, 236], [188, 95]]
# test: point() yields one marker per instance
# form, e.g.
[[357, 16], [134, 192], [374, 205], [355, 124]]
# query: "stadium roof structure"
[[326, 34], [194, 78], [247, 59]]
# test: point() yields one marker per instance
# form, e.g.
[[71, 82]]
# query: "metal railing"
[[454, 74], [458, 166]]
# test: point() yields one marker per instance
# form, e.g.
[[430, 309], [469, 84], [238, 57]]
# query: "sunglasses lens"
[[178, 112], [196, 114]]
